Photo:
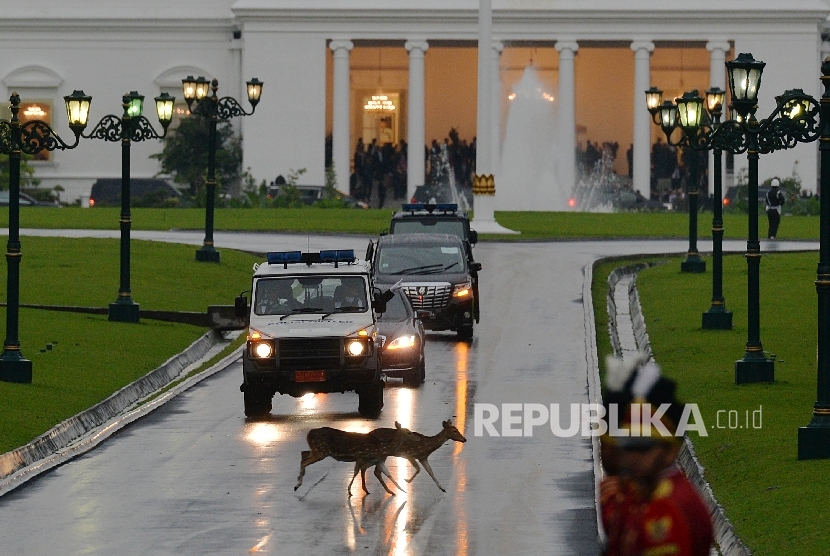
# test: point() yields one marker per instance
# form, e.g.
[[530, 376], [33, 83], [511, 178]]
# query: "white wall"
[[287, 132]]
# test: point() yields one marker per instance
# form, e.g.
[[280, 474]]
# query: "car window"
[[310, 294], [427, 259], [395, 309]]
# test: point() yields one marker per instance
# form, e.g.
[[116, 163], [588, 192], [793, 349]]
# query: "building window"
[[37, 110]]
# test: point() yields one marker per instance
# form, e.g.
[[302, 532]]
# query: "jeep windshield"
[[302, 295], [422, 259], [429, 226]]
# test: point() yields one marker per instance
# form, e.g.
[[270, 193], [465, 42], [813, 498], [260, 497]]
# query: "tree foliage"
[[185, 157]]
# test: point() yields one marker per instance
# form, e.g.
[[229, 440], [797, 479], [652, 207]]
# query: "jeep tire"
[[257, 403], [371, 399]]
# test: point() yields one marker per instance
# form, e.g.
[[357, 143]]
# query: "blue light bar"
[[284, 257], [337, 256], [443, 207], [447, 207]]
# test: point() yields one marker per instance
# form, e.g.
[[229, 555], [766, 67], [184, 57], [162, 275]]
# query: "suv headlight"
[[461, 291], [406, 341]]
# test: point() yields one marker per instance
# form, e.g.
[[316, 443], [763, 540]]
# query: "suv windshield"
[[408, 259], [310, 294], [435, 226]]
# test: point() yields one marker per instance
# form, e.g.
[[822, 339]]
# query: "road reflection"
[[459, 463]]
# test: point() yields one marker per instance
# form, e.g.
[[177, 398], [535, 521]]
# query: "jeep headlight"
[[356, 347], [462, 290], [406, 341], [262, 349]]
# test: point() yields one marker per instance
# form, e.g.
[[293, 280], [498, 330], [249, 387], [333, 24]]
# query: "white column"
[[566, 121], [498, 47], [341, 135], [642, 119], [717, 78], [416, 136], [485, 200]]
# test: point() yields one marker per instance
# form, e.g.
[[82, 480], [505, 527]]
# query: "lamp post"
[[667, 114], [794, 120], [213, 109], [814, 439], [16, 139], [698, 119], [131, 127], [717, 317]]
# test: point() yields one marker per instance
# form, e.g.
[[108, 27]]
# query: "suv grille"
[[432, 296], [309, 353]]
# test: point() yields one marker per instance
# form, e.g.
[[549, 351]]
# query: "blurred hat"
[[775, 182], [638, 380]]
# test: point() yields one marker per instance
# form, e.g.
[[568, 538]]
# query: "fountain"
[[527, 180]]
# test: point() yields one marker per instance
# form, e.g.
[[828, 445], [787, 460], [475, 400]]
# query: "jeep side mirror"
[[475, 267], [240, 306], [473, 237], [421, 314]]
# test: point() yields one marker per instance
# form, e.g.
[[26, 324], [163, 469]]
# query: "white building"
[[322, 60]]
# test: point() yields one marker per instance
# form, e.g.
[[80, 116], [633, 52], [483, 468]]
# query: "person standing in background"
[[775, 201]]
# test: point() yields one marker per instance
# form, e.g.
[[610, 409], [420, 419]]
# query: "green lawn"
[[776, 502], [532, 225], [78, 359]]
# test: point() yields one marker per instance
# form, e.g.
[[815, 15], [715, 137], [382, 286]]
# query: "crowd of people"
[[381, 169]]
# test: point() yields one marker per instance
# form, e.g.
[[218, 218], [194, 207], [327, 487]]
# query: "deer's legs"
[[431, 474], [308, 457], [414, 463], [354, 476], [381, 468]]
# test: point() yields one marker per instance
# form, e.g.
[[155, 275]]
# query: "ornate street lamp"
[[213, 109], [717, 317], [131, 127], [698, 118], [687, 113], [814, 439], [16, 139], [796, 119]]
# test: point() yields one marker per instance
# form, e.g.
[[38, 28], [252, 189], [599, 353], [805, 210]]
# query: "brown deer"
[[365, 449], [416, 447]]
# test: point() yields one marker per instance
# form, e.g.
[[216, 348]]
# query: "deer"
[[414, 447], [365, 449]]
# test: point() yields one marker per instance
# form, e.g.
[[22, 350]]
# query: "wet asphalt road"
[[196, 477]]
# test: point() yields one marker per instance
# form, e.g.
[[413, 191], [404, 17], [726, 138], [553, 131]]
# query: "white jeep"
[[311, 328]]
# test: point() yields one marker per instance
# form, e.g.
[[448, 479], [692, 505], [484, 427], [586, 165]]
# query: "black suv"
[[420, 218], [435, 273]]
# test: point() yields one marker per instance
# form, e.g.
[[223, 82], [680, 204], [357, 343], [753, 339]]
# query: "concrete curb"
[[728, 542], [594, 387], [87, 429]]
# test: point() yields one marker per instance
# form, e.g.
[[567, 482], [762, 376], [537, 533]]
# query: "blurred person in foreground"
[[649, 507]]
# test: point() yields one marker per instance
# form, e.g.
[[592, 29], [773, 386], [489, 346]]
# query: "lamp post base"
[[207, 255], [15, 368], [121, 311], [814, 440], [749, 370], [717, 318], [693, 263]]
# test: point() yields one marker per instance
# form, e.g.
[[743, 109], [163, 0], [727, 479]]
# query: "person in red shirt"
[[649, 507]]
